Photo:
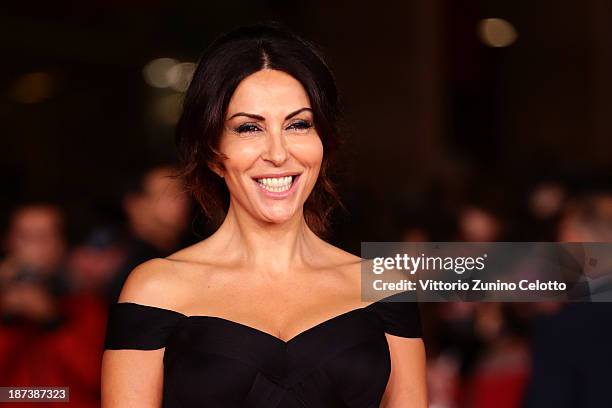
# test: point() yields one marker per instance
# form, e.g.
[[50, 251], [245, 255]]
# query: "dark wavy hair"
[[225, 63]]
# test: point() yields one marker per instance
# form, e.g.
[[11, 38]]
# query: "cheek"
[[240, 156], [309, 151]]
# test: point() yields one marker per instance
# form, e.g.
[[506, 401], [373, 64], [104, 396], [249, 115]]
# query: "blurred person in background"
[[93, 263], [32, 268], [589, 219], [500, 369], [493, 350], [479, 353], [571, 353], [157, 211], [478, 356], [48, 335]]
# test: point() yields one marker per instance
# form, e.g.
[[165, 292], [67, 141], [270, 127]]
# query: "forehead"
[[268, 91], [38, 217]]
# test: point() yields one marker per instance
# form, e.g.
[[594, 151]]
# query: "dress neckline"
[[287, 342]]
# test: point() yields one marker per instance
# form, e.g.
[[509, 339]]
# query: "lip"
[[277, 175], [279, 195]]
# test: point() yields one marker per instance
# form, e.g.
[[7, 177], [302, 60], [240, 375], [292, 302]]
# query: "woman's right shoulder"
[[168, 282], [154, 283]]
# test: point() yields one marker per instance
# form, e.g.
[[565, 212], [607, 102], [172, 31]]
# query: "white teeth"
[[276, 184]]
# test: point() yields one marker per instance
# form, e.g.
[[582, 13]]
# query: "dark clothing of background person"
[[572, 358], [137, 252]]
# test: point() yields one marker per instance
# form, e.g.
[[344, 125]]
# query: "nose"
[[276, 149]]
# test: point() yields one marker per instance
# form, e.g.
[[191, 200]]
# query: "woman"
[[264, 313]]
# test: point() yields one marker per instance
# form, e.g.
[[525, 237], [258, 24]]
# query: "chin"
[[279, 216]]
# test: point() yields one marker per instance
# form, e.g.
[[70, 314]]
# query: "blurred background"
[[464, 120]]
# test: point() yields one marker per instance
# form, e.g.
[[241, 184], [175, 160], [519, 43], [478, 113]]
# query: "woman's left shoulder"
[[339, 256], [343, 262]]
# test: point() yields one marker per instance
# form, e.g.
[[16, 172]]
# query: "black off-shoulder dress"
[[215, 362]]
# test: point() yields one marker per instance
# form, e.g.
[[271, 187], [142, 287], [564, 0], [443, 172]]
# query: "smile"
[[277, 185]]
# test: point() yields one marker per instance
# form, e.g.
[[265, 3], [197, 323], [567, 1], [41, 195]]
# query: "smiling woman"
[[306, 92], [272, 152], [263, 313]]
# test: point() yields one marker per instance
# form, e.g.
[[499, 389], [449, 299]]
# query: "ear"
[[217, 169]]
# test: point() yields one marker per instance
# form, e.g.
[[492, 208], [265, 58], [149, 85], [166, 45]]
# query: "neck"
[[276, 248]]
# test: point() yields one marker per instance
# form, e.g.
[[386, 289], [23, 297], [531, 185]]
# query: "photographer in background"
[[30, 277], [48, 335]]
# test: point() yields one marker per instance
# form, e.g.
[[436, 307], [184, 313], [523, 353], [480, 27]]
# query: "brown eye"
[[300, 125], [247, 128]]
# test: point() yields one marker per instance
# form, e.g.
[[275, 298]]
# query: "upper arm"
[[130, 377], [407, 382], [407, 385]]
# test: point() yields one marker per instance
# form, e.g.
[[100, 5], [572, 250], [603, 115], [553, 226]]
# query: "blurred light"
[[180, 75], [156, 72], [33, 87], [547, 200], [167, 108], [496, 32], [478, 225]]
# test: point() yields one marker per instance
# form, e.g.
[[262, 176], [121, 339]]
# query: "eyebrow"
[[259, 117]]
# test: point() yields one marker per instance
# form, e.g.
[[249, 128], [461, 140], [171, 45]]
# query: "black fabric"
[[215, 362], [571, 358]]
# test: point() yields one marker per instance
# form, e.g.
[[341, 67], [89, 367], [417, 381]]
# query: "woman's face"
[[273, 150]]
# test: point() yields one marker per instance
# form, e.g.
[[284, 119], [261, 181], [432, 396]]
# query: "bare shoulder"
[[348, 265], [169, 282], [340, 256], [155, 282]]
